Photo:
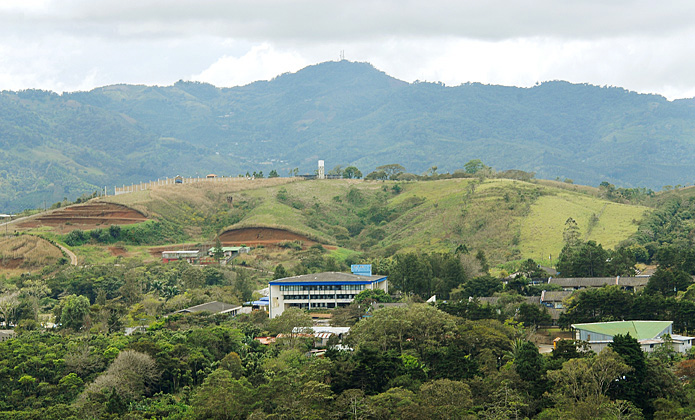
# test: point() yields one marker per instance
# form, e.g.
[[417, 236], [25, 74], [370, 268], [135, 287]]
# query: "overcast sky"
[[67, 45]]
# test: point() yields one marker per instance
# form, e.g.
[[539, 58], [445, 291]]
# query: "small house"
[[230, 251], [577, 283], [188, 256]]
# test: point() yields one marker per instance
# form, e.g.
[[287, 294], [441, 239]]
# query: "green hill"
[[508, 219]]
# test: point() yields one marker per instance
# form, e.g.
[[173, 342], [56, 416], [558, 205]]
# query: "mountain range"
[[346, 113]]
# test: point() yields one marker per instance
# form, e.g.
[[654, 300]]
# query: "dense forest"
[[56, 146]]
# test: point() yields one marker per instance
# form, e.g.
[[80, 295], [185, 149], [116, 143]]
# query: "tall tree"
[[668, 281], [352, 172], [217, 252], [75, 310], [631, 386], [391, 170], [9, 302], [474, 166]]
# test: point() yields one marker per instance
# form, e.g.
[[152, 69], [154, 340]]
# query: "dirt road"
[[73, 257]]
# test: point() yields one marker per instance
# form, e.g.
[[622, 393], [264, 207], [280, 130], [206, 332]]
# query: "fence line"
[[171, 181]]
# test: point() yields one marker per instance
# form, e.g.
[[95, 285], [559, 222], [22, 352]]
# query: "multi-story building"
[[320, 290]]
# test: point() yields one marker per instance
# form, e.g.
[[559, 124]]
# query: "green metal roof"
[[641, 330]]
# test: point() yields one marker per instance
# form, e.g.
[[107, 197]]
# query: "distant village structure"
[[578, 283], [202, 258], [322, 290]]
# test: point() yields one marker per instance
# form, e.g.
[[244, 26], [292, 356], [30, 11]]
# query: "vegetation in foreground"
[[460, 359]]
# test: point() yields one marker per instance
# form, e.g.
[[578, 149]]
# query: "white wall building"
[[320, 290]]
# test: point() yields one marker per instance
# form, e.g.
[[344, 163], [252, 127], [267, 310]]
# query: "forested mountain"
[[54, 146]]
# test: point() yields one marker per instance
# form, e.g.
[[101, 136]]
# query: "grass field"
[[605, 222], [509, 220]]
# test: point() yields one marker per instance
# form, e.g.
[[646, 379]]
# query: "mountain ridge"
[[57, 146]]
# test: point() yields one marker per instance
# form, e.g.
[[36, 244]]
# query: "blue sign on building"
[[361, 269]]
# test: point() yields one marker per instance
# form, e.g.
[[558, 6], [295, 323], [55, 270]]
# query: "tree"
[[474, 166], [395, 403], [571, 235], [217, 252], [531, 314], [291, 323], [582, 384], [530, 269], [131, 375], [221, 397], [417, 327], [75, 310], [507, 404], [481, 286], [352, 172], [273, 174], [631, 386], [608, 303], [391, 170], [528, 363], [376, 295], [445, 399], [232, 363], [280, 272], [587, 259], [34, 290], [668, 281], [482, 260], [9, 302], [376, 176]]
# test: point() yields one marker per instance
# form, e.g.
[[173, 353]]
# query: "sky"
[[69, 45]]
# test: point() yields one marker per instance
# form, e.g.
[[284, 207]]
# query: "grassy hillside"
[[508, 219], [602, 221], [23, 253]]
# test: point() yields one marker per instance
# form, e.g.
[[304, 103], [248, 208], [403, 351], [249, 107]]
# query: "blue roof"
[[330, 278]]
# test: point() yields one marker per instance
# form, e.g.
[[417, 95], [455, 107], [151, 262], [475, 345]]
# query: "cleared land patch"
[[19, 253], [253, 236], [85, 217]]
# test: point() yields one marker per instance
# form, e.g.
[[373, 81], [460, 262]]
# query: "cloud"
[[319, 20], [78, 44], [262, 62]]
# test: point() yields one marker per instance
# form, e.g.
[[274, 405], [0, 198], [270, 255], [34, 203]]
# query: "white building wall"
[[278, 302]]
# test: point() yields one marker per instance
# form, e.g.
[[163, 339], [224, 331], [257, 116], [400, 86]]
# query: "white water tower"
[[322, 171]]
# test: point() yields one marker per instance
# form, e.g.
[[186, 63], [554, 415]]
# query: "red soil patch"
[[118, 251], [11, 263], [262, 236], [85, 217]]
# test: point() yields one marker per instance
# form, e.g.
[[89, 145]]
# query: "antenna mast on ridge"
[[342, 55]]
